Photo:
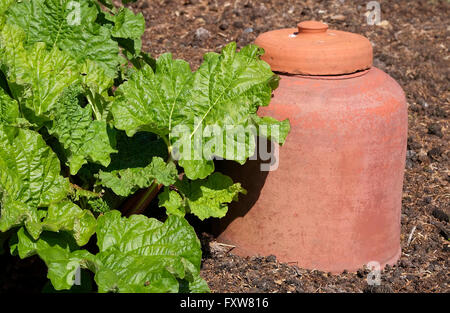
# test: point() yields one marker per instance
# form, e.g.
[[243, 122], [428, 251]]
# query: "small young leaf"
[[172, 201], [127, 181], [204, 198]]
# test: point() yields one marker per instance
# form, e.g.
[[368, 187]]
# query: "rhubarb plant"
[[92, 129]]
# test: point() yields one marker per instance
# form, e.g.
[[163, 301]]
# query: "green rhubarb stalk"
[[139, 201]]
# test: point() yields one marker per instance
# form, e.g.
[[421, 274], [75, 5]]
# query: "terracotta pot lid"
[[313, 49]]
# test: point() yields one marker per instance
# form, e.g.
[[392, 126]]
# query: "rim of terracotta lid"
[[313, 49]]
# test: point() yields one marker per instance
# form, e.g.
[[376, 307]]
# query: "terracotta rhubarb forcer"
[[334, 202]]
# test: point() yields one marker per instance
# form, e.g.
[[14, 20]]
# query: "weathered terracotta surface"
[[334, 202], [313, 49]]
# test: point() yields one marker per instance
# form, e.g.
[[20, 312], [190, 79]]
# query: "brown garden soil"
[[411, 45]]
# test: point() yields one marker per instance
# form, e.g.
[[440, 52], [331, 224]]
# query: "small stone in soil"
[[435, 129], [360, 273], [444, 233], [440, 215], [405, 263], [422, 156], [411, 154], [202, 34], [223, 26], [434, 153]]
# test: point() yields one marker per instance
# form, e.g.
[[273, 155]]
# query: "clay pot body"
[[334, 202]]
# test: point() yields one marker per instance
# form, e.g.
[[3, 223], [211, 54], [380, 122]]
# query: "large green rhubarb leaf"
[[38, 77], [69, 26], [82, 138], [35, 76], [151, 101], [187, 108], [139, 254], [29, 179], [128, 25], [204, 198], [136, 254]]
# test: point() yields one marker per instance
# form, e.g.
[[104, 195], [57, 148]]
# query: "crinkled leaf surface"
[[204, 198], [35, 76], [63, 265], [9, 108], [67, 216], [139, 254], [98, 84], [96, 202], [82, 138], [127, 181], [70, 26], [150, 101], [171, 101], [38, 77], [138, 163], [172, 201], [29, 178], [4, 5], [128, 29], [127, 24], [23, 245]]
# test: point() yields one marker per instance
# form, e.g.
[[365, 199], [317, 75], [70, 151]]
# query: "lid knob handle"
[[312, 27]]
